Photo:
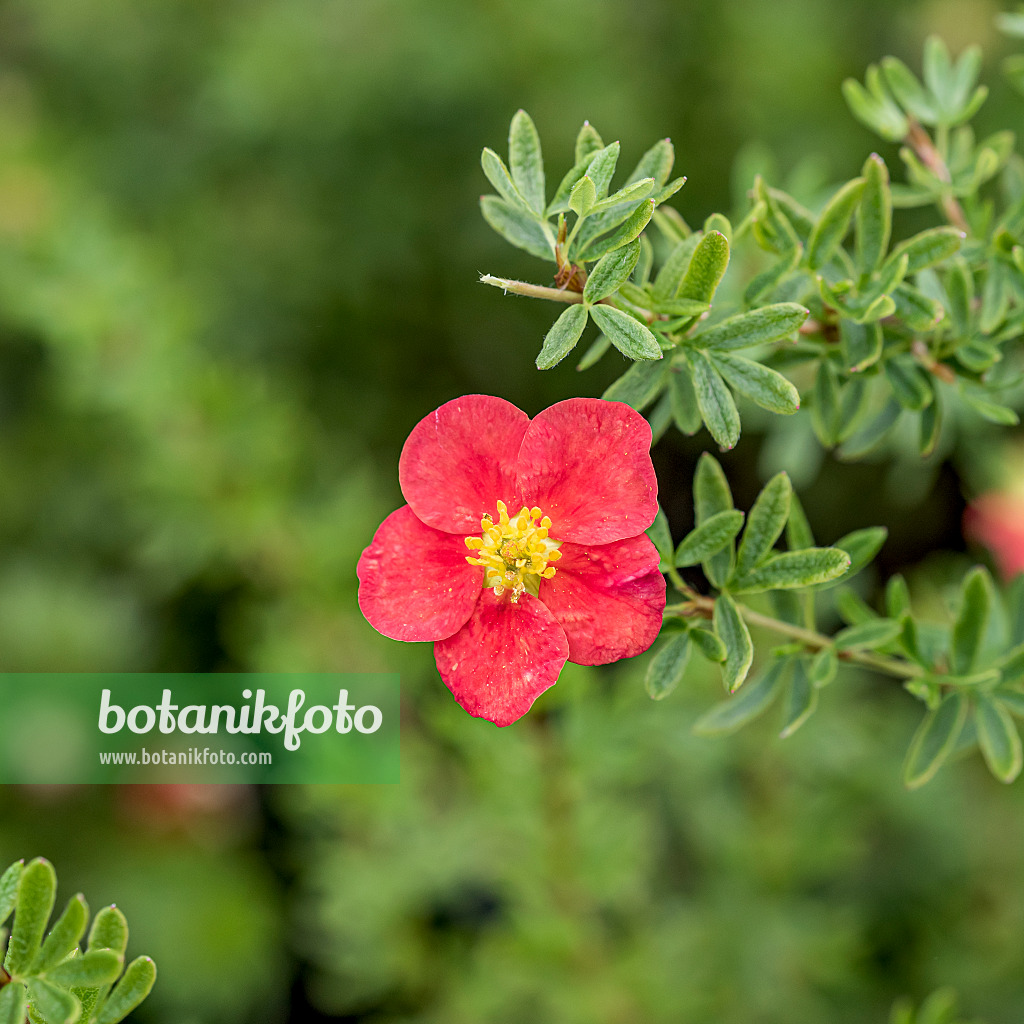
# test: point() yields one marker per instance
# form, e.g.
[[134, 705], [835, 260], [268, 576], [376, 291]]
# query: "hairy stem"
[[699, 606]]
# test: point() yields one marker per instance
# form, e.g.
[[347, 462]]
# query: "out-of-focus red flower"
[[570, 576], [996, 520]]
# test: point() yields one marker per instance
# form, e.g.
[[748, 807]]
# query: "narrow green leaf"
[[934, 739], [673, 270], [583, 196], [64, 935], [1012, 700], [739, 648], [685, 410], [976, 601], [908, 90], [861, 344], [761, 384], [870, 436], [910, 384], [758, 327], [711, 495], [9, 889], [560, 200], [498, 175], [611, 272], [918, 311], [516, 226], [868, 635], [791, 569], [862, 545], [131, 990], [798, 529], [824, 666], [526, 161], [999, 739], [897, 597], [97, 967], [874, 107], [715, 401], [938, 68], [563, 336], [602, 167], [52, 1003], [36, 890], [825, 412], [660, 535], [656, 163], [833, 224], [801, 700], [762, 284], [630, 229], [12, 1004], [765, 523], [709, 537], [755, 698], [706, 269], [874, 215], [109, 931], [667, 667], [708, 644], [628, 335], [588, 142], [929, 247], [632, 193], [638, 386], [991, 411], [597, 348]]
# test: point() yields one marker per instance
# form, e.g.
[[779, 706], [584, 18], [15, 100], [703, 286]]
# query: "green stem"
[[703, 607]]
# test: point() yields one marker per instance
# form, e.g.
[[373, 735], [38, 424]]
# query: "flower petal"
[[608, 599], [503, 658], [586, 463], [460, 460], [414, 582]]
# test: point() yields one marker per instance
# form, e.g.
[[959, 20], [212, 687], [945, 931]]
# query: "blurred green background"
[[239, 245]]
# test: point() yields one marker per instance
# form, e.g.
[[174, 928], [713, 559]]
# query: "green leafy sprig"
[[46, 977]]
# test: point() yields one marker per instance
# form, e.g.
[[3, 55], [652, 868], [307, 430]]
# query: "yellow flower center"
[[514, 552]]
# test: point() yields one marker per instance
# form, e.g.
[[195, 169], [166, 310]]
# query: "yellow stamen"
[[514, 551]]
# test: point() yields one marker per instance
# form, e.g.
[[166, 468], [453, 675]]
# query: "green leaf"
[[999, 739], [801, 700], [711, 495], [709, 538], [826, 416], [874, 107], [897, 597], [660, 535], [934, 740], [908, 90], [131, 990], [868, 635], [798, 529], [628, 335], [9, 889], [791, 569], [638, 386], [560, 201], [972, 621], [12, 1004], [516, 226], [632, 227], [833, 224], [755, 698], [588, 142], [991, 411], [706, 269], [97, 967], [109, 931], [765, 523], [761, 384], [36, 890], [715, 401], [64, 936], [563, 336], [824, 666], [1012, 700], [667, 667], [918, 311], [709, 645], [861, 344], [52, 1003], [526, 161], [759, 326], [656, 163], [602, 167], [929, 247], [611, 272], [673, 270], [631, 193], [910, 384], [862, 545], [874, 215], [583, 196], [498, 175], [685, 410], [739, 649], [597, 348], [870, 436]]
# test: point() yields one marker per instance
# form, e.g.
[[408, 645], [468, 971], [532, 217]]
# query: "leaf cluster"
[[47, 978]]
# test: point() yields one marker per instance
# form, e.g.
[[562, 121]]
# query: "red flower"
[[996, 520], [569, 577]]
